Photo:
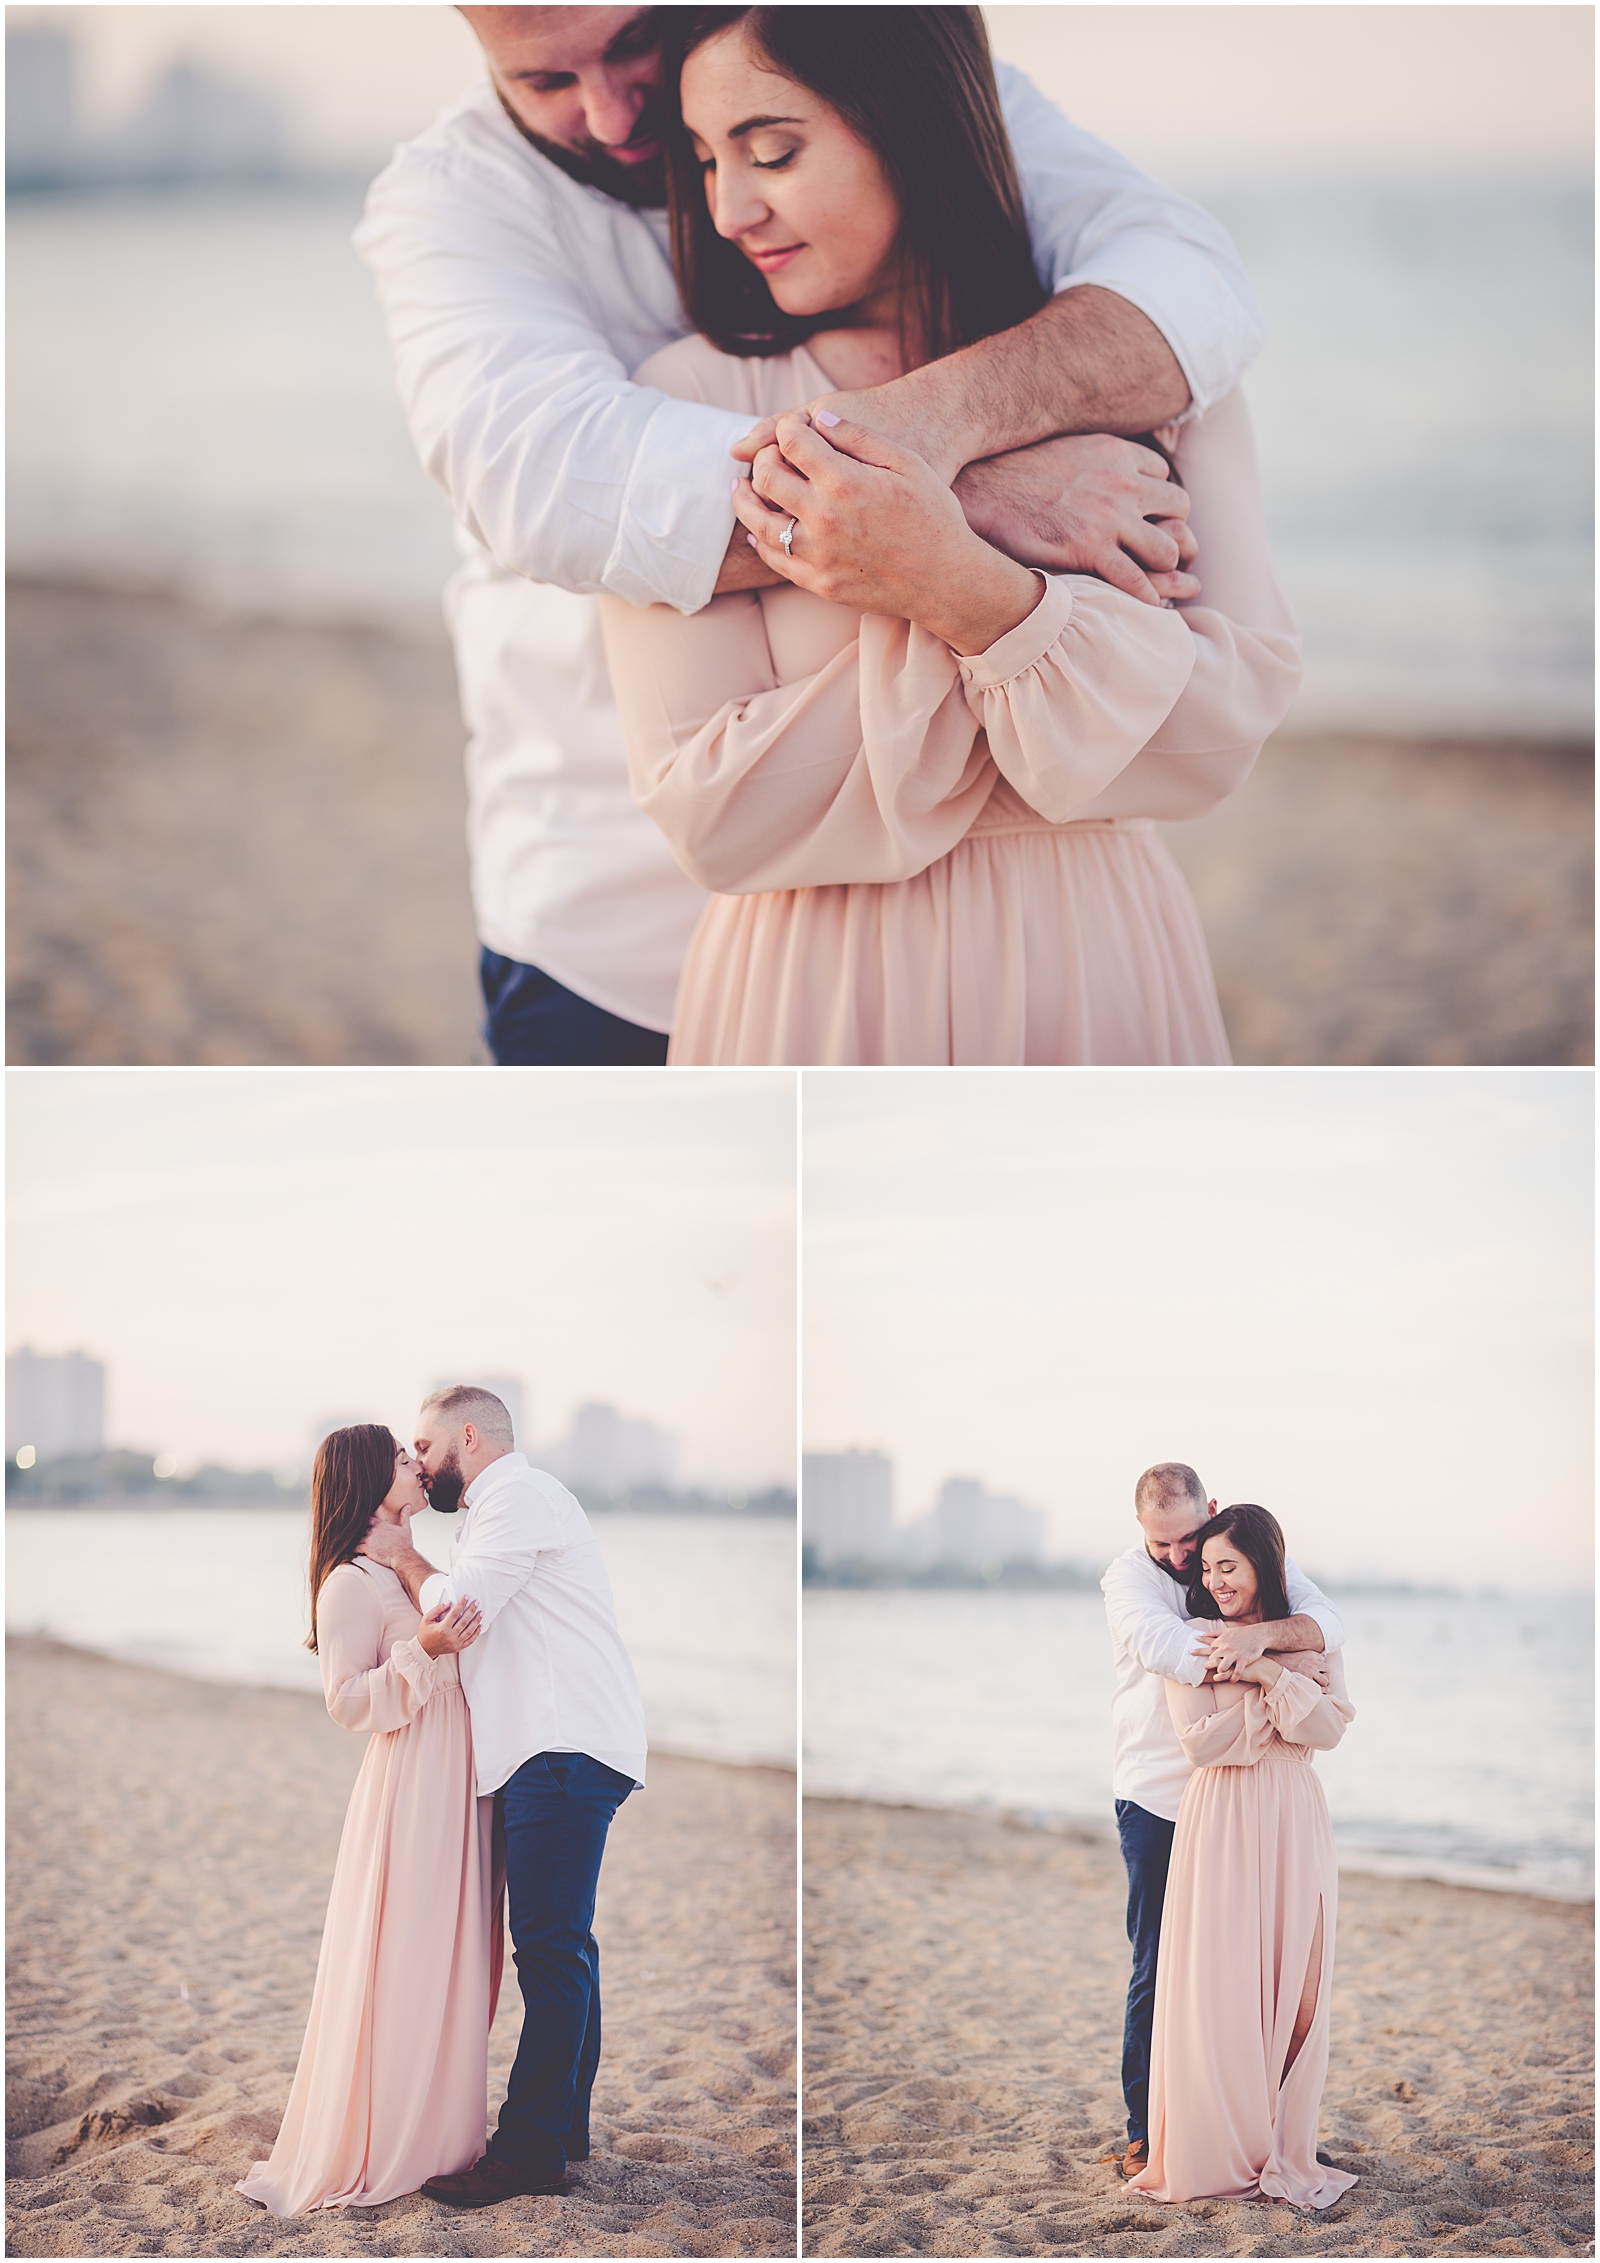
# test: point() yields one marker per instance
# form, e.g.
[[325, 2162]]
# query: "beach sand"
[[963, 2032], [240, 840], [170, 1845]]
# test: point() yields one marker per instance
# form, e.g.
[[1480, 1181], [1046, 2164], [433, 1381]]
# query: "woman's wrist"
[[984, 600]]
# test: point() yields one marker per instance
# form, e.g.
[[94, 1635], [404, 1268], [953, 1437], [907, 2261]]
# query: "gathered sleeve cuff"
[[1068, 697], [365, 1692], [1304, 1713]]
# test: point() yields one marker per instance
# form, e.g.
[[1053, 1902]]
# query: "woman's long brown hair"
[[917, 86], [351, 1476], [1258, 1536]]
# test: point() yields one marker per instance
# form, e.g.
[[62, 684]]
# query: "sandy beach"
[[241, 840], [170, 1845], [963, 2027]]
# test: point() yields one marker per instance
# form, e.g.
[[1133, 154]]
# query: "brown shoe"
[[1136, 2158], [489, 2180]]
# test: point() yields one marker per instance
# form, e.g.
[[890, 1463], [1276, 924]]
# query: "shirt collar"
[[507, 1465]]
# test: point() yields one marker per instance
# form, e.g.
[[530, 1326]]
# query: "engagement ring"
[[787, 538]]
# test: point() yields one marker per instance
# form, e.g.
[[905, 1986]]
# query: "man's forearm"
[[1298, 1633], [743, 568], [1087, 362], [412, 1570]]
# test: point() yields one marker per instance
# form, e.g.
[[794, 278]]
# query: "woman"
[[1239, 2052], [927, 810], [393, 2076]]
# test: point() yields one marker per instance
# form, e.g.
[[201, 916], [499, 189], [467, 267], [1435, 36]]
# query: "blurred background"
[[206, 1275], [1364, 1302], [236, 799]]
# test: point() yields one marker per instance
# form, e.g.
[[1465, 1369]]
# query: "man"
[[521, 257], [1153, 1642], [558, 1737]]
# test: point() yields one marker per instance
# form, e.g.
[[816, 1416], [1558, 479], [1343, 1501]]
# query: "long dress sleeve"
[[1231, 1724], [873, 766], [364, 1690]]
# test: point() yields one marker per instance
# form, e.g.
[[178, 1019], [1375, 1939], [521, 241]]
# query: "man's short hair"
[[461, 1403], [1167, 1485]]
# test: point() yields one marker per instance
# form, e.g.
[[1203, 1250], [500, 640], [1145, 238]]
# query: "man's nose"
[[611, 106]]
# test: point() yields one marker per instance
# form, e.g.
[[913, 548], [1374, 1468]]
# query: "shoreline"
[[966, 1981], [1086, 1830], [171, 1845]]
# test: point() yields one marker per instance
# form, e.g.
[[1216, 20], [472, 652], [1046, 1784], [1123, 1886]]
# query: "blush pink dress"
[[924, 858], [392, 2084], [1252, 1873]]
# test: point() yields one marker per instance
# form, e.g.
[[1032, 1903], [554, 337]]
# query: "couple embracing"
[[856, 757], [505, 1731], [1229, 1678]]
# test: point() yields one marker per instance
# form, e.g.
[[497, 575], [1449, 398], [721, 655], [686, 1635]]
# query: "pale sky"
[[1197, 94], [1360, 1298], [254, 1250]]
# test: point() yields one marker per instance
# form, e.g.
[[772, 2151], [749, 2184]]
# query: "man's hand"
[[1087, 504], [391, 1544]]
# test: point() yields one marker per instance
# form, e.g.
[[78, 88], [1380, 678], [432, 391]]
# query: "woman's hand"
[[877, 530], [1263, 1671], [452, 1626]]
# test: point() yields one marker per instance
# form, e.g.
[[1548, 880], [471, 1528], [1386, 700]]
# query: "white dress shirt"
[[1152, 1643], [518, 302], [549, 1672]]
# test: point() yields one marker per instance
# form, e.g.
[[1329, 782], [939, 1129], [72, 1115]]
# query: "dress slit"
[[1310, 1993]]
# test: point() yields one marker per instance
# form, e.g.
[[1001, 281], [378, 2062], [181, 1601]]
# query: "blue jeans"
[[556, 1811], [1146, 1852], [532, 1022]]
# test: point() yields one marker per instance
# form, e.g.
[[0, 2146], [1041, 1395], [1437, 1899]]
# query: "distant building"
[[606, 1452], [41, 107], [189, 127], [972, 1527], [847, 1507], [55, 1404]]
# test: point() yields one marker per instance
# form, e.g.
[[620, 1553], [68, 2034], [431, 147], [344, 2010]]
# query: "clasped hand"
[[875, 528], [1082, 503]]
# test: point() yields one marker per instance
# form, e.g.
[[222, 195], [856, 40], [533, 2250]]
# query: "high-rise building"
[[847, 1506], [606, 1452], [55, 1403], [971, 1526]]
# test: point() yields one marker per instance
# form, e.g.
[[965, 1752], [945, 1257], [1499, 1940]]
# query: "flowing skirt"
[[1071, 944], [1252, 1887], [392, 2084]]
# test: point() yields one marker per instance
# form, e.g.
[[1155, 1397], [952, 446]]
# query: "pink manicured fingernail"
[[826, 416], [733, 487], [750, 538]]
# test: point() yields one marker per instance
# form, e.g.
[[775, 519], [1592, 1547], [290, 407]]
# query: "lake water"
[[1471, 1757], [706, 1606], [200, 393]]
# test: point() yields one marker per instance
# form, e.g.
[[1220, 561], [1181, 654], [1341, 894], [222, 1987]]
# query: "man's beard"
[[447, 1485], [643, 186], [1172, 1572]]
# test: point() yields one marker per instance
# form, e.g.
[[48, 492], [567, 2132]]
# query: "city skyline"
[[251, 1250], [1363, 1302], [1391, 93]]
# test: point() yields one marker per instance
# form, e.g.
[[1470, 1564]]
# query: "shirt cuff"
[[431, 1593], [1192, 1671], [1024, 646], [677, 508], [1331, 1624]]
